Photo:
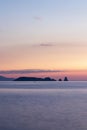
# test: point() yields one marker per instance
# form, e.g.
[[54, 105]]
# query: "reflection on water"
[[43, 109]]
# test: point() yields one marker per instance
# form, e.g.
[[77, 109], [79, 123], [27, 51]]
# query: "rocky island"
[[34, 79]]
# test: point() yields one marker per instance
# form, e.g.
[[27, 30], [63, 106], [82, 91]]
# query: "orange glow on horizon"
[[60, 56]]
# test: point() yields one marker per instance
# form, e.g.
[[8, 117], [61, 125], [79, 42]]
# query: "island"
[[34, 79]]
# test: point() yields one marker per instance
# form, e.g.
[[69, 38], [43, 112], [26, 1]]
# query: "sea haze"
[[43, 105]]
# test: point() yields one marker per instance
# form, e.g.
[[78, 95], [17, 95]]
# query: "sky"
[[44, 36]]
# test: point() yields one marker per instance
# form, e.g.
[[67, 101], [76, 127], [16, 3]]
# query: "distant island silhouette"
[[38, 79], [2, 78], [34, 79]]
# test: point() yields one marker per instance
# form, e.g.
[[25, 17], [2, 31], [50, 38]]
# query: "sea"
[[44, 105]]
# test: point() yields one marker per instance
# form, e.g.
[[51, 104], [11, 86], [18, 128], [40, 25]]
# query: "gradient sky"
[[44, 34]]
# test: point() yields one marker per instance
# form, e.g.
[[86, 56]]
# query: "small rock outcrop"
[[60, 79], [65, 79]]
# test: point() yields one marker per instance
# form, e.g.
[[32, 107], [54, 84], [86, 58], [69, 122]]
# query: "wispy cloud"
[[28, 71], [46, 44], [37, 18]]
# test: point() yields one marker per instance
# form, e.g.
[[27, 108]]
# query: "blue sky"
[[43, 20]]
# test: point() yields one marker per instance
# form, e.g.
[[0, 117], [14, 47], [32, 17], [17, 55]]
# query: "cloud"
[[37, 18], [28, 71], [46, 44], [36, 71]]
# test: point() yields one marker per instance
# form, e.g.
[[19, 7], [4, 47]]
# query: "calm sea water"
[[43, 105]]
